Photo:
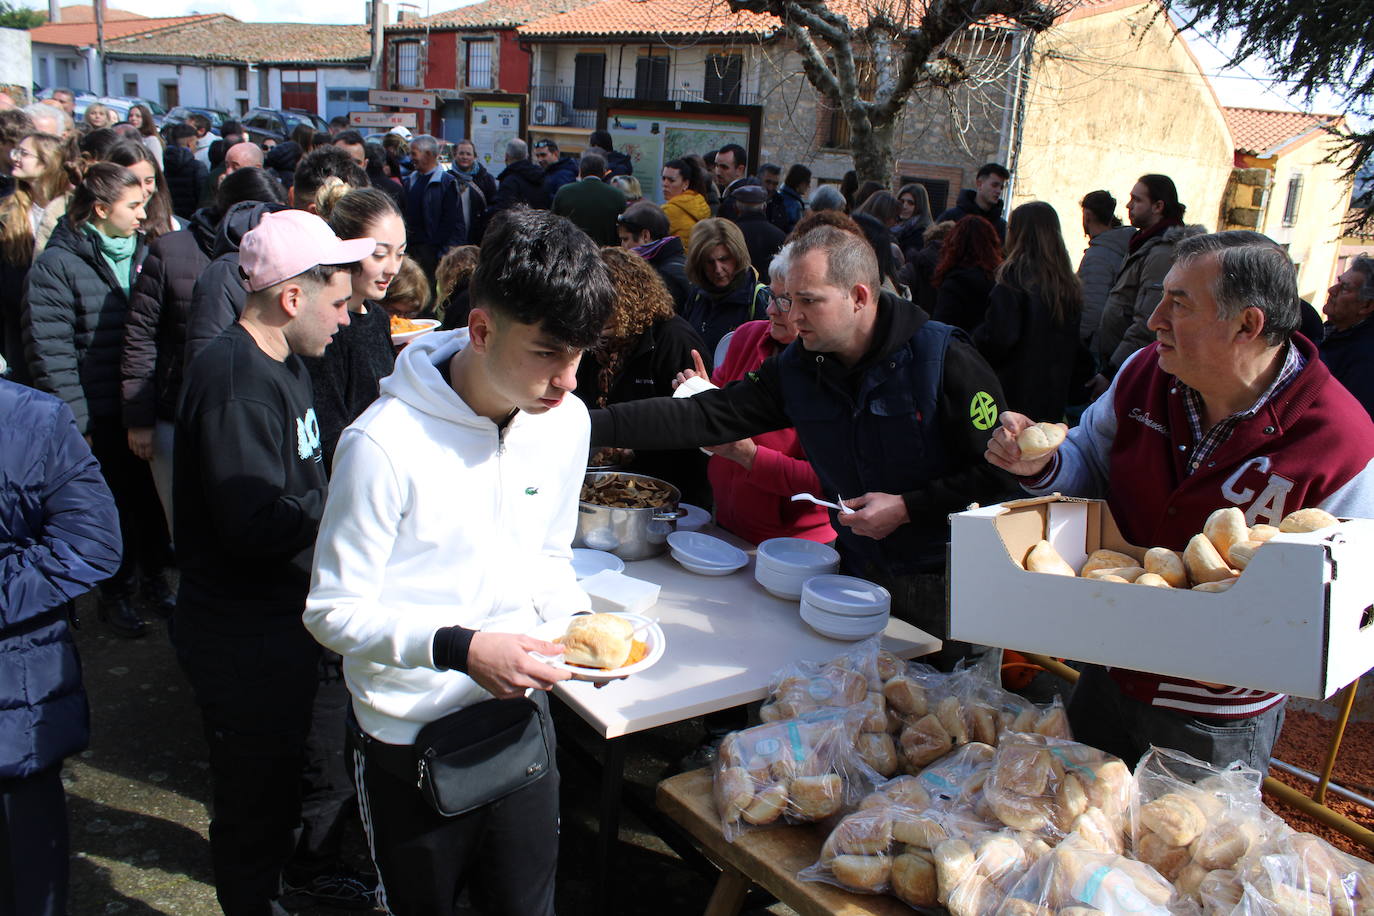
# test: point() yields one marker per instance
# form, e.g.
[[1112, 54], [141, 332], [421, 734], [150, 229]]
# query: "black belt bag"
[[483, 753]]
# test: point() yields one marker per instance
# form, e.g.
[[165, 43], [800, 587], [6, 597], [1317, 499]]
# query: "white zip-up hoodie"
[[434, 518]]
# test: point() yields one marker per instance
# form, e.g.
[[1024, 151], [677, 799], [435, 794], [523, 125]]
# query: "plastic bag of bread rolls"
[[850, 679], [1299, 873], [1189, 819], [796, 770], [1051, 787], [1076, 879]]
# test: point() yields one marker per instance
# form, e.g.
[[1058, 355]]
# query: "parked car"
[[272, 124], [180, 113]]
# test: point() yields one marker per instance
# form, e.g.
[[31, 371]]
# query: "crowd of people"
[[197, 351]]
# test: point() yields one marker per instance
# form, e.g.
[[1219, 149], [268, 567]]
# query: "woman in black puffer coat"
[[155, 332], [75, 307]]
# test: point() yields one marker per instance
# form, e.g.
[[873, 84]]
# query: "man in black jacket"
[[250, 485], [644, 230], [983, 199], [893, 409], [1348, 347], [617, 163], [761, 237], [521, 181], [186, 175]]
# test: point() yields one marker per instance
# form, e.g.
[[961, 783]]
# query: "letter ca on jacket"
[[1253, 477], [308, 436]]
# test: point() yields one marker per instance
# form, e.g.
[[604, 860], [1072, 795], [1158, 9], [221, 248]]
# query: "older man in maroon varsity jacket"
[[1227, 408]]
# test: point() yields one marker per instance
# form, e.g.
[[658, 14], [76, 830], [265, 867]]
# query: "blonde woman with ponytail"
[[42, 189]]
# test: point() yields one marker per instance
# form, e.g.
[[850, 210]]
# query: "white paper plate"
[[695, 519], [846, 595], [798, 554], [407, 336], [704, 550], [652, 635], [784, 585], [837, 627], [706, 569], [587, 562]]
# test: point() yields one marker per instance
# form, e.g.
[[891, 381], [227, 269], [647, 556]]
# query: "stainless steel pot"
[[631, 534]]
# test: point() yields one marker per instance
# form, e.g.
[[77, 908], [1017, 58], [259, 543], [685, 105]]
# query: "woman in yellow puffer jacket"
[[684, 187]]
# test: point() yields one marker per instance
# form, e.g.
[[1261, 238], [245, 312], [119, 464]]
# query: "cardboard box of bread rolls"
[[1299, 620]]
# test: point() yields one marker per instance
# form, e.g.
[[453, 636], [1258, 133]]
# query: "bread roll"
[[734, 791], [1225, 527], [889, 665], [816, 797], [864, 833], [1190, 878], [1071, 798], [767, 806], [1152, 580], [1165, 858], [1021, 812], [1305, 520], [1116, 573], [998, 855], [1106, 559], [975, 897], [1054, 723], [875, 713], [1223, 845], [1243, 553], [905, 695], [1168, 565], [878, 750], [1221, 586], [1096, 830], [1174, 817], [1043, 558], [906, 791], [954, 864], [913, 880], [917, 830], [1204, 562], [925, 741], [1039, 439], [951, 716], [1015, 906], [1111, 790], [598, 641], [983, 723], [1263, 533], [1220, 890], [862, 873]]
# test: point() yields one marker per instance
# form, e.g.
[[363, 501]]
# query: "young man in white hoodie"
[[447, 535]]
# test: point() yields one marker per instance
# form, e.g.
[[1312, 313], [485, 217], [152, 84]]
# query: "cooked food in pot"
[[623, 491]]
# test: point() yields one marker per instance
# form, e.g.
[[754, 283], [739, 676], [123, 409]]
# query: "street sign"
[[382, 119], [426, 100]]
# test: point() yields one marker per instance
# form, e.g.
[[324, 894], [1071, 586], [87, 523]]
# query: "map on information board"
[[652, 138], [494, 124]]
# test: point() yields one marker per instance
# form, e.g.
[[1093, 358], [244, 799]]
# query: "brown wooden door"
[[301, 96]]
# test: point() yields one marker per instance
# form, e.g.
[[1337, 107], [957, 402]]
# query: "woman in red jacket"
[[753, 479]]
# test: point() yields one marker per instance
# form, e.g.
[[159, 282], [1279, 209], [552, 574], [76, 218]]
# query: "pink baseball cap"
[[287, 243]]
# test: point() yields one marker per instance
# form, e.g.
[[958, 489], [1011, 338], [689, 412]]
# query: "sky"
[[1248, 86]]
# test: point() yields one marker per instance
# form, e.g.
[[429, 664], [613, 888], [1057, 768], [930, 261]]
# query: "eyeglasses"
[[784, 303], [543, 144], [19, 154]]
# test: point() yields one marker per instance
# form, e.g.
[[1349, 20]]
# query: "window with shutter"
[[724, 73], [589, 80], [651, 78], [479, 63], [1290, 207], [407, 63]]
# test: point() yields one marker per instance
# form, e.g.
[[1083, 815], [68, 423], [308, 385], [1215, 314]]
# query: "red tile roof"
[[81, 34], [1257, 131], [227, 39], [492, 14], [658, 17]]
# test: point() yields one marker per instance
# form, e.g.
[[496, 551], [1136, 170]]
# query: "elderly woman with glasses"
[[753, 480]]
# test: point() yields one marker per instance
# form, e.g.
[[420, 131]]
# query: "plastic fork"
[[840, 506]]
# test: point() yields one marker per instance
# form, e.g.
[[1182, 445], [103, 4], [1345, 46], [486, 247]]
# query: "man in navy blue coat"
[[432, 211], [59, 536]]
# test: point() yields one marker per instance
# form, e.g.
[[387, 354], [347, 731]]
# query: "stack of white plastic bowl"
[[843, 607], [782, 565], [705, 555]]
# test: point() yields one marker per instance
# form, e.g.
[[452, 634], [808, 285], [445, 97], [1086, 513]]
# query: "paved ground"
[[137, 798]]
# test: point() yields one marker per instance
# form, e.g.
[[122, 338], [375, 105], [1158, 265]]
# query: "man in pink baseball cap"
[[249, 488]]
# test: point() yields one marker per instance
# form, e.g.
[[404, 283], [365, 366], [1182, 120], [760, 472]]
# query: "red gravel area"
[[1303, 743]]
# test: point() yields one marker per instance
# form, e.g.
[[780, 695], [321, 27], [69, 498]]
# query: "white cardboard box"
[[1300, 620]]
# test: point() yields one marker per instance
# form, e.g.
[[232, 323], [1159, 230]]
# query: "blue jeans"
[[1102, 716]]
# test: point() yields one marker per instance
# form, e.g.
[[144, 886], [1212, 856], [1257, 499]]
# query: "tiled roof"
[[85, 12], [226, 39], [491, 14], [82, 34], [1257, 131], [652, 17]]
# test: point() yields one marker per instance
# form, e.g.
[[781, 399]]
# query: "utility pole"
[[100, 42]]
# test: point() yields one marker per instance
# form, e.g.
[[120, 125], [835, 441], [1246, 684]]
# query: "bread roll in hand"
[[1040, 439], [598, 641]]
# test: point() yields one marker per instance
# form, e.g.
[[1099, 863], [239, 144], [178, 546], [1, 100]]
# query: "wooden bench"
[[768, 858]]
